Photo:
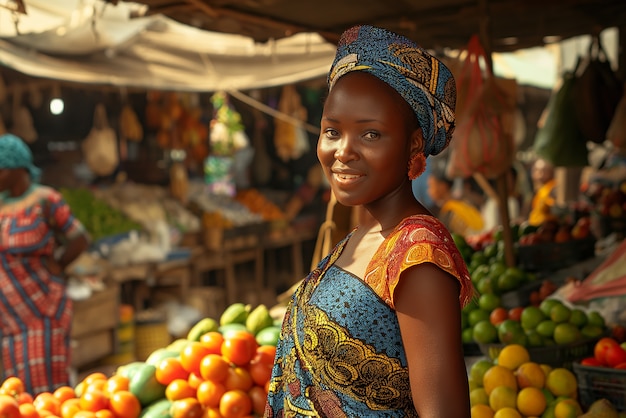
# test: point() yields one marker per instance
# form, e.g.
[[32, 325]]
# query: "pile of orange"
[[216, 377]]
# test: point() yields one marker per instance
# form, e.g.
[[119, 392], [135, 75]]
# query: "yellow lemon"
[[530, 374], [499, 376], [481, 411], [479, 396], [567, 408], [502, 397], [507, 413], [546, 368], [562, 382], [531, 401], [513, 355]]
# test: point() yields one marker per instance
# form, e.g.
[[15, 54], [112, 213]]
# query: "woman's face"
[[365, 140], [5, 179]]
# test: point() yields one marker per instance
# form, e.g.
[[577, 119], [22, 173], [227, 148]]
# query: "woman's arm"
[[429, 314]]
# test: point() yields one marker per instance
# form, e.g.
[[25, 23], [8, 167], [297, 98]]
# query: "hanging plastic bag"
[[100, 147], [559, 140], [596, 93], [483, 138]]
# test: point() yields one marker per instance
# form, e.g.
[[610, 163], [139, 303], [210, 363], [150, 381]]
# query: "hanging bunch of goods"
[[486, 113], [605, 195], [290, 140], [130, 127], [226, 138], [176, 118], [100, 147]]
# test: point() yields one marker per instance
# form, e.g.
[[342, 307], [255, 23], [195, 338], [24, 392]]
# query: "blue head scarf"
[[14, 153], [422, 80]]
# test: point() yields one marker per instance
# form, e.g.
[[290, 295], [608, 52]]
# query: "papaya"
[[202, 327], [268, 336], [144, 386], [258, 319], [159, 354], [157, 409], [128, 370], [236, 313]]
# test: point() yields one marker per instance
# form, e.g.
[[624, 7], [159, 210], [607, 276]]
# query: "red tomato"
[[93, 401], [601, 346], [186, 408], [516, 313], [498, 315], [614, 355], [591, 361], [621, 366]]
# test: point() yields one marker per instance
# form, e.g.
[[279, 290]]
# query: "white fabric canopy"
[[88, 41]]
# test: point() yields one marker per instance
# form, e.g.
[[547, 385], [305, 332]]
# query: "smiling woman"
[[374, 330]]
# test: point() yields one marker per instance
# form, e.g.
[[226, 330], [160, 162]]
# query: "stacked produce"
[[222, 369], [514, 386], [98, 217]]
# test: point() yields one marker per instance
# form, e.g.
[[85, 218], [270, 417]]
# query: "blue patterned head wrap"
[[14, 153], [423, 81]]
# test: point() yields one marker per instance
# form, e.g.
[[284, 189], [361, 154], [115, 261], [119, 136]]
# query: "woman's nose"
[[345, 151]]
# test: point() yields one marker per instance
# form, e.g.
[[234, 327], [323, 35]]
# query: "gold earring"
[[417, 165]]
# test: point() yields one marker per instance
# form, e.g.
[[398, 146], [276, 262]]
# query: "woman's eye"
[[371, 135], [331, 133]]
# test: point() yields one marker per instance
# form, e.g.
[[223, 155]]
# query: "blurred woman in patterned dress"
[[374, 330], [39, 238]]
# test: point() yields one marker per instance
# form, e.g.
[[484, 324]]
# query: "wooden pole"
[[501, 181]]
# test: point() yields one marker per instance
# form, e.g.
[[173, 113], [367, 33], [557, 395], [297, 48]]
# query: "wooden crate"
[[91, 347], [99, 312], [94, 323]]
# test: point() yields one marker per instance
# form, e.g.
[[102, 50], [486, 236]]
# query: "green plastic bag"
[[560, 140]]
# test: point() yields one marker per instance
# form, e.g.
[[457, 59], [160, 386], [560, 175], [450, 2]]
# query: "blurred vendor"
[[544, 199]]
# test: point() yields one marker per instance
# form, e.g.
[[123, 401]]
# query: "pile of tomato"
[[217, 377]]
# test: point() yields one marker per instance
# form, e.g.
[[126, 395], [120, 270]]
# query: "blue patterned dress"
[[340, 353]]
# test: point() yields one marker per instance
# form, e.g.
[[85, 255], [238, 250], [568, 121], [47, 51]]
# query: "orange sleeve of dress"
[[418, 239]]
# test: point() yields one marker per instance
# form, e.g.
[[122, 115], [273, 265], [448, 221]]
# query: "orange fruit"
[[116, 383], [259, 398], [124, 404], [28, 410], [209, 393], [93, 400], [214, 367], [238, 378], [169, 369], [70, 407], [64, 393], [47, 402], [179, 389], [213, 341], [235, 404], [186, 408], [192, 355], [12, 386]]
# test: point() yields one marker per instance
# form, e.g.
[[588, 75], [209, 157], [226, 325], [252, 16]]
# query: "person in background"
[[458, 215], [544, 183], [490, 211], [374, 329], [35, 310]]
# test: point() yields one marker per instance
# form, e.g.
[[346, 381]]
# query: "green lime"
[[497, 269], [508, 281], [578, 318], [476, 316], [566, 333], [560, 313], [467, 336], [486, 285], [488, 301], [477, 369], [479, 272], [531, 317], [591, 331], [473, 304], [484, 332], [490, 250], [594, 318], [547, 304], [479, 258], [511, 332], [534, 338], [478, 396], [546, 328]]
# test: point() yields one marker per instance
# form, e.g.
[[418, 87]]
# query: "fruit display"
[[550, 324], [514, 386], [221, 369]]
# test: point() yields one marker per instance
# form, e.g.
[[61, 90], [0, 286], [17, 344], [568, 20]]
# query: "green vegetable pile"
[[98, 218]]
